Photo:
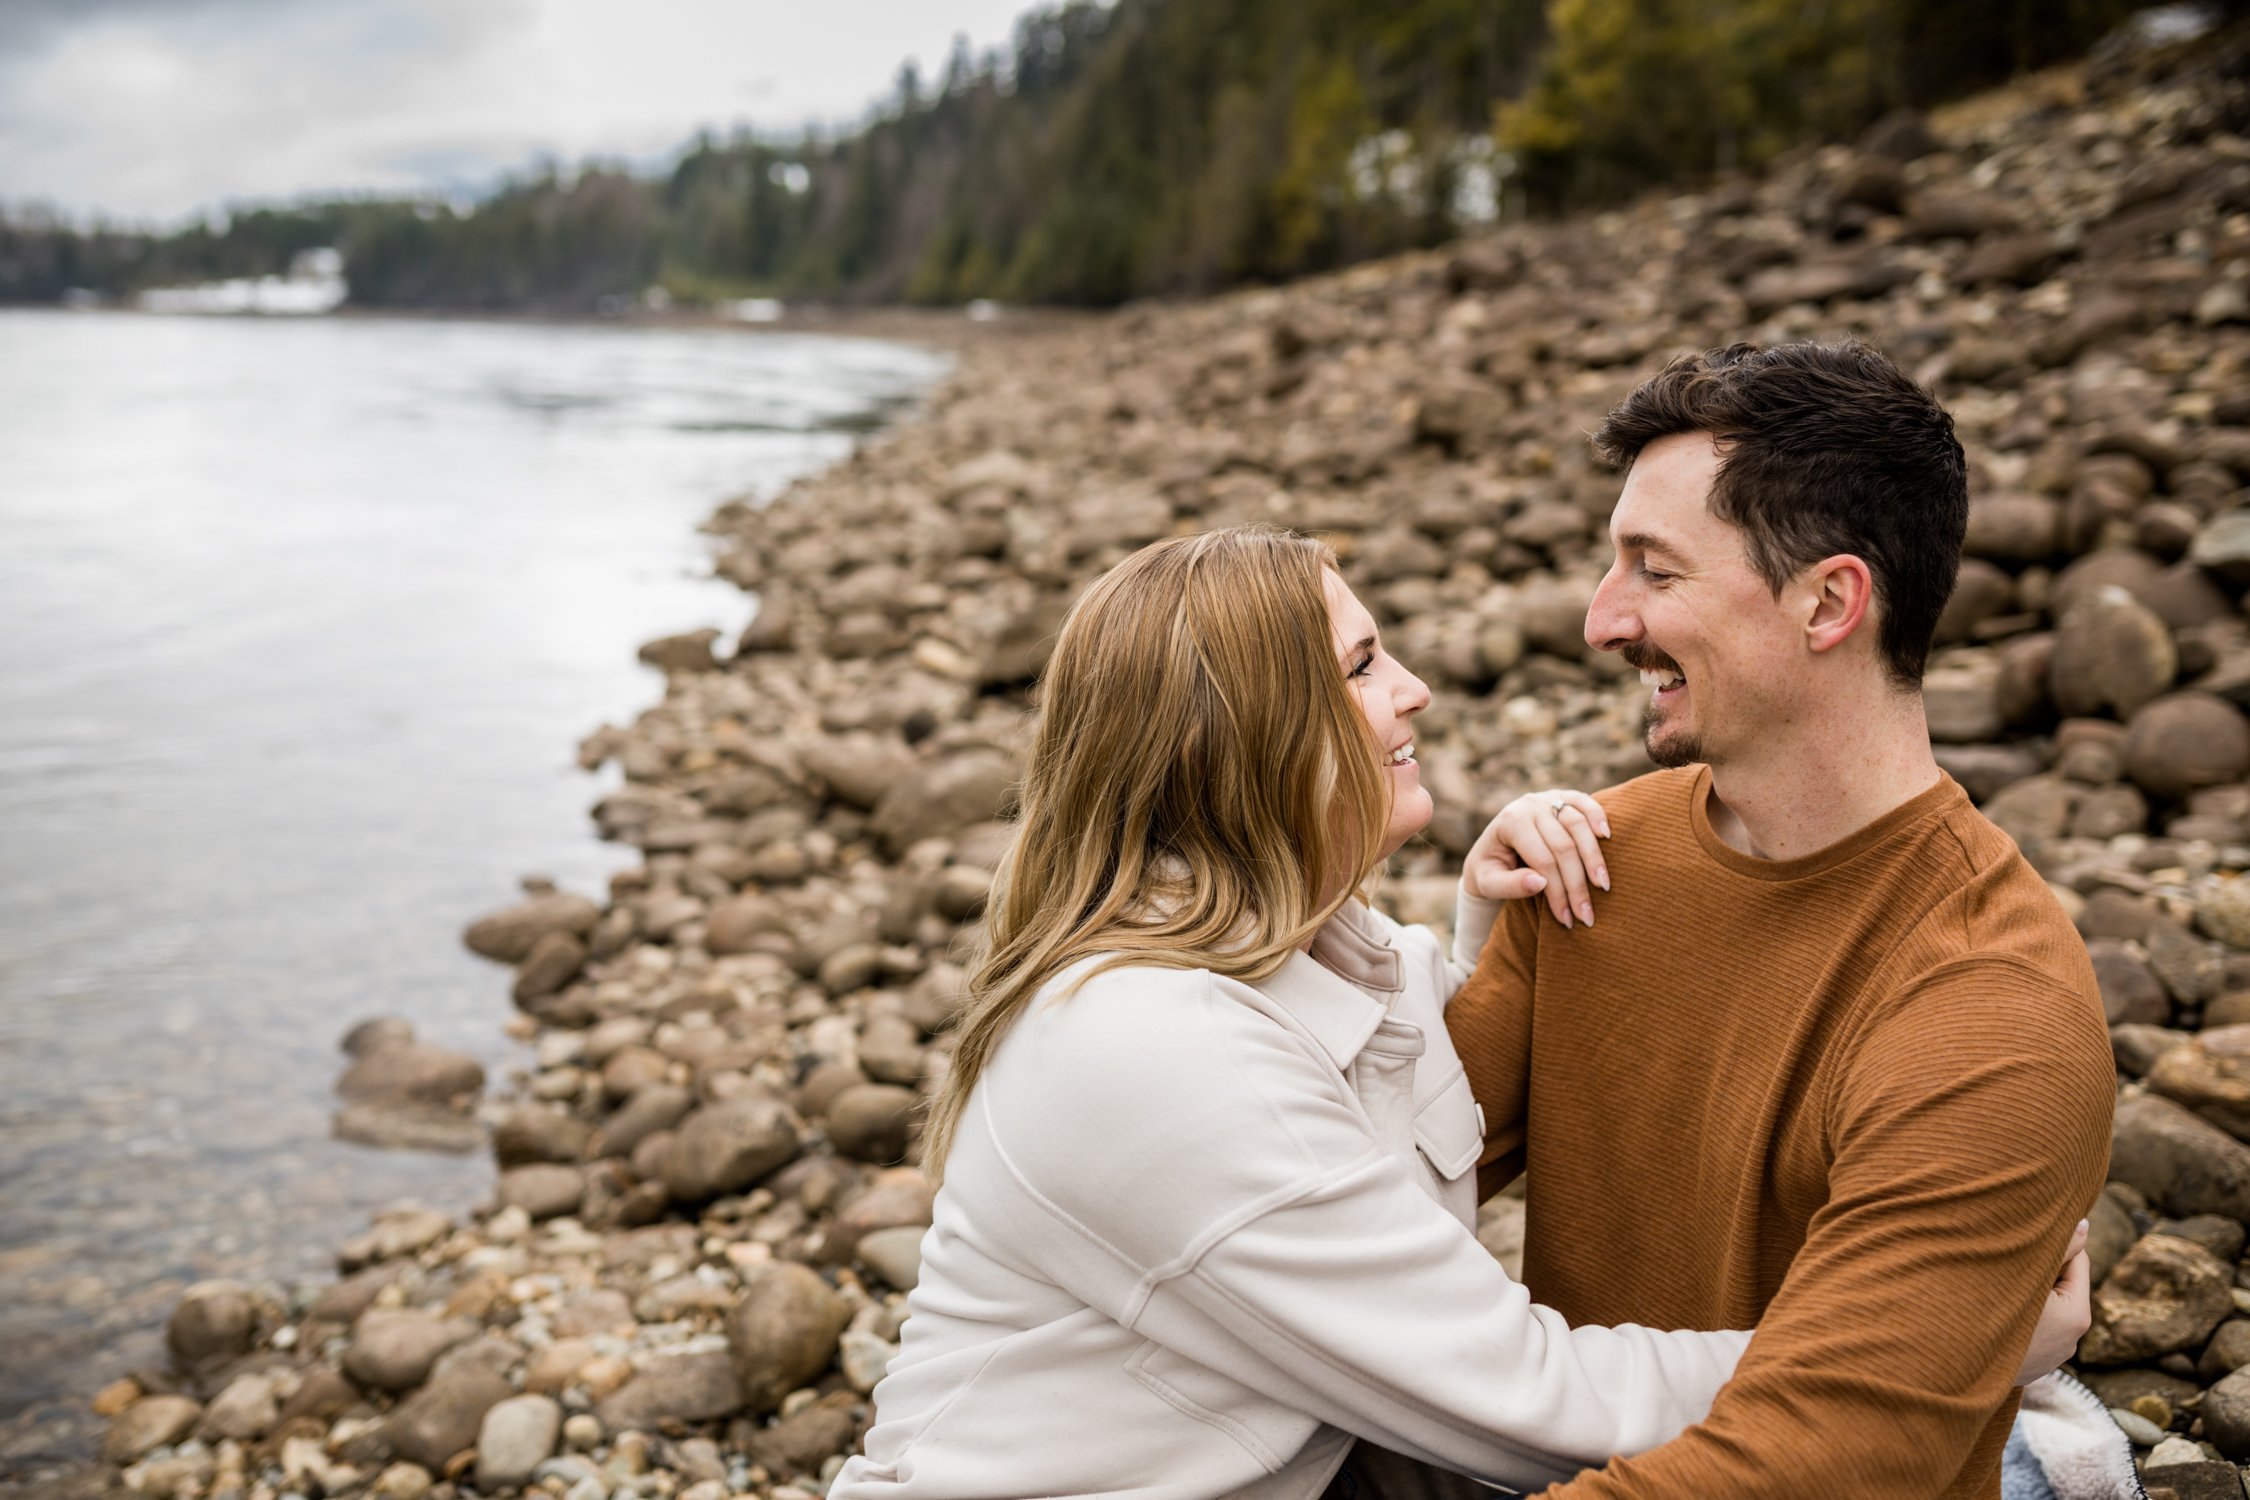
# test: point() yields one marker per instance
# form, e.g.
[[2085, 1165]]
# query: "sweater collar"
[[1343, 988]]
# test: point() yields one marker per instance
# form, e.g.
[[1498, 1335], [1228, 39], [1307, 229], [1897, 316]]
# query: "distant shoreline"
[[947, 329]]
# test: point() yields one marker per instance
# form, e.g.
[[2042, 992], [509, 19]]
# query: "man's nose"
[[1610, 626]]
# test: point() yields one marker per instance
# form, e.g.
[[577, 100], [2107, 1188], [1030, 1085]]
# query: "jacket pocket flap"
[[1447, 1130]]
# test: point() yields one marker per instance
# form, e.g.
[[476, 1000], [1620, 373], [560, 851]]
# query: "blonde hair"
[[1202, 791]]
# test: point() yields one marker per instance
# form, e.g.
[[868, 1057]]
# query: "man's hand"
[[2065, 1318], [1543, 841]]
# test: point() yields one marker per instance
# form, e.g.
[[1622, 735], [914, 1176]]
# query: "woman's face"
[[1390, 697]]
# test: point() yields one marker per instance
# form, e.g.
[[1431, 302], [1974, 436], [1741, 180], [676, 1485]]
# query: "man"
[[1832, 1063]]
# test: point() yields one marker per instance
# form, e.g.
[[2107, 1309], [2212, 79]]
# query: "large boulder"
[[783, 1333]]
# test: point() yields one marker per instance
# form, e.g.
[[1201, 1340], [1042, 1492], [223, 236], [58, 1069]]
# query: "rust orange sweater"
[[1856, 1100]]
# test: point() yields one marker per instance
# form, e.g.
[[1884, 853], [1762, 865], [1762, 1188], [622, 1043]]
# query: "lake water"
[[300, 624]]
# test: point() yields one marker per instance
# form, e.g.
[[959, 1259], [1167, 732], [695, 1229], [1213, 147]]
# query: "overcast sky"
[[154, 109]]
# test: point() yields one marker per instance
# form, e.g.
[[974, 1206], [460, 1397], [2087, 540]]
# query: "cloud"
[[156, 108]]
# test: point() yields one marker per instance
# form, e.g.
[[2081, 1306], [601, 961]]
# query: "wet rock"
[[2166, 1294], [783, 1333], [215, 1321], [516, 1436], [690, 652], [694, 1386], [509, 934], [537, 1133], [2187, 741], [726, 1147], [415, 1072]]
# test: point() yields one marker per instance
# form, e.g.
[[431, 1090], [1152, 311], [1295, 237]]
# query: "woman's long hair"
[[1202, 790]]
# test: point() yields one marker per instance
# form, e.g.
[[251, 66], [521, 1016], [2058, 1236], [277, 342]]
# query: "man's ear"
[[1843, 594]]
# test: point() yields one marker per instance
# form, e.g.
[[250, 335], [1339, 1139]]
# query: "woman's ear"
[[1843, 590]]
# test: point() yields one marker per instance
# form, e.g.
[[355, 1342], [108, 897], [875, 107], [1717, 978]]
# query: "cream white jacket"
[[1195, 1235]]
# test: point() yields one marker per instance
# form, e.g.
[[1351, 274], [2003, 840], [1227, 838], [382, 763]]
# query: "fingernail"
[[2084, 1226], [1566, 919], [1601, 878], [1536, 884], [1586, 912]]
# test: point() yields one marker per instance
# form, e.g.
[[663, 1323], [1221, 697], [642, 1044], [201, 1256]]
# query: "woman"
[[1208, 1159]]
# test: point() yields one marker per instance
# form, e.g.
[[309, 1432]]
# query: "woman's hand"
[[2066, 1317], [1542, 841]]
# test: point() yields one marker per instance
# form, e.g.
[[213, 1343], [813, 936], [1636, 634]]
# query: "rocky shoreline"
[[694, 1265]]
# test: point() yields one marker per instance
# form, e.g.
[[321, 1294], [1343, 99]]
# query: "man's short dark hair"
[[1824, 449]]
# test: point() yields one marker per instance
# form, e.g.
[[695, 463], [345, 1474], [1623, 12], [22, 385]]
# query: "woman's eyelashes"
[[1360, 668]]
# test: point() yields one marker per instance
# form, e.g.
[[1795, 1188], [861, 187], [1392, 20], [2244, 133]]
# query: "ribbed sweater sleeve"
[[1489, 1020], [1966, 1144]]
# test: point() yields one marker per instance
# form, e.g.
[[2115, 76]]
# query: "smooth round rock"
[[516, 1436], [2181, 743], [872, 1121]]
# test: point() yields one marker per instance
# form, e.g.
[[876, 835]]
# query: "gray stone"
[[895, 1255], [2166, 1295], [2187, 741], [658, 1106], [944, 796], [553, 962], [516, 1436], [417, 1072], [783, 1333], [2181, 1164], [544, 1190], [215, 1321], [2112, 654], [873, 1121], [509, 934], [441, 1419], [148, 1423], [2131, 994], [696, 1386], [726, 1147], [2222, 911], [2226, 1415], [393, 1349]]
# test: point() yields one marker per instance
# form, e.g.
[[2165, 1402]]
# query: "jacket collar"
[[1343, 988]]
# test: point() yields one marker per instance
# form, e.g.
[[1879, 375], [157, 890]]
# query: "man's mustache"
[[1643, 657]]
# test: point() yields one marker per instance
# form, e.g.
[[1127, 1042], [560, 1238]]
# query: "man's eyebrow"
[[1641, 541]]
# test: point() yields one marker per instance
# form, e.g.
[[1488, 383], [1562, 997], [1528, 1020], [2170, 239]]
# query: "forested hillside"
[[1145, 147]]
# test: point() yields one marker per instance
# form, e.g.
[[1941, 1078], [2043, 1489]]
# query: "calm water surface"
[[300, 624]]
